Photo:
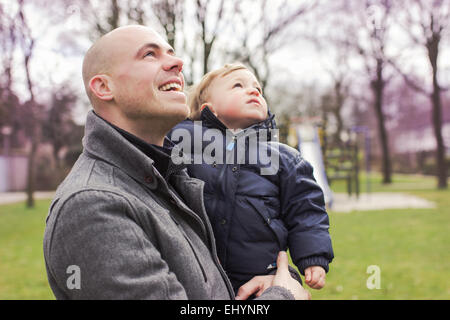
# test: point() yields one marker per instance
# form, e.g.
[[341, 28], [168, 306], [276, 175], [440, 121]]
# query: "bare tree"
[[426, 23], [373, 19], [378, 31], [7, 47], [198, 36], [337, 50], [268, 25], [170, 13], [16, 33], [58, 125], [112, 12], [208, 37], [104, 16], [336, 99], [32, 110]]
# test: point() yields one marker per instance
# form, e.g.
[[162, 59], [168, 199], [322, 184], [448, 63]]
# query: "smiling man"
[[134, 81], [128, 223]]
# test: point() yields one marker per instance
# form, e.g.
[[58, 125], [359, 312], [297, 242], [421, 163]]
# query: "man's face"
[[237, 99], [146, 76]]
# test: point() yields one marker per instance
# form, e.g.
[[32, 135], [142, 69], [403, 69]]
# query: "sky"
[[58, 56]]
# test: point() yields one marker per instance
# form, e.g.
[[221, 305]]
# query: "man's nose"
[[173, 63]]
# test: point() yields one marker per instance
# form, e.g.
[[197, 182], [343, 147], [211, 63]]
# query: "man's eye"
[[237, 85], [150, 53]]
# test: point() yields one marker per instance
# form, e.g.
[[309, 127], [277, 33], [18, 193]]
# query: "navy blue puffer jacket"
[[255, 215]]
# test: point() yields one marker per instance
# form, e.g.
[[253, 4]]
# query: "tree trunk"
[[378, 88], [339, 101], [206, 52], [30, 176], [433, 50], [34, 125]]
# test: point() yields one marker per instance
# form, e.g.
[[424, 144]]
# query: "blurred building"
[[415, 149], [421, 140], [13, 172]]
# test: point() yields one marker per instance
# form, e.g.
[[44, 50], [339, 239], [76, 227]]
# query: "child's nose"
[[254, 91]]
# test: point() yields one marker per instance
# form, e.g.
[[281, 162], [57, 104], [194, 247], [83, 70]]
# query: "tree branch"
[[408, 81]]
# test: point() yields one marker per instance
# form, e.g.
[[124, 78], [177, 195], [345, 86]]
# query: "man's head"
[[132, 75], [233, 94]]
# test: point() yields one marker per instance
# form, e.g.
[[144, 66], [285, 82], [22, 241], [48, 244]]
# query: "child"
[[254, 216]]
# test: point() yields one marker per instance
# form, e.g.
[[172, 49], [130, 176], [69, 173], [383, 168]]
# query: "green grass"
[[410, 246], [22, 267], [401, 183]]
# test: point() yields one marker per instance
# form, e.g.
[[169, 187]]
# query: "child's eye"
[[259, 90], [237, 85]]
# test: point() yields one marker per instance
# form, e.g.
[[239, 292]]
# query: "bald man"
[[128, 223]]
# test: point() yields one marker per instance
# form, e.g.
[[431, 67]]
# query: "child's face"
[[236, 99]]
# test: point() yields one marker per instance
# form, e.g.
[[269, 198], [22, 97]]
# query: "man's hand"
[[315, 277], [255, 286], [282, 278]]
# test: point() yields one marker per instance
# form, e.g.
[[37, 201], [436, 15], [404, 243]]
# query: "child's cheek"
[[233, 109], [233, 113]]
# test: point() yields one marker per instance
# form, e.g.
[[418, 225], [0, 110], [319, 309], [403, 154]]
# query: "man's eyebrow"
[[152, 45]]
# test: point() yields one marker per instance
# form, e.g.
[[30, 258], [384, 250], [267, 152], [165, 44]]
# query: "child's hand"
[[315, 277]]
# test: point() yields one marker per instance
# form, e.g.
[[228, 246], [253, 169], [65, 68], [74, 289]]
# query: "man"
[[127, 223]]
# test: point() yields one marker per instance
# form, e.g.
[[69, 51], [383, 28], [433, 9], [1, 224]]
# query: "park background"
[[372, 77]]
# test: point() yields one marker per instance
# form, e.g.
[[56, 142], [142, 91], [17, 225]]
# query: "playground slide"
[[309, 146]]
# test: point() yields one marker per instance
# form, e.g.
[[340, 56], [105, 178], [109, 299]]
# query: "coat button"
[[234, 169], [223, 221], [149, 179]]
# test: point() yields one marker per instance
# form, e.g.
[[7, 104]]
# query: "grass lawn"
[[411, 248], [22, 267]]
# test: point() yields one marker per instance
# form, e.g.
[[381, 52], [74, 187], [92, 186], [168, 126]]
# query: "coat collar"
[[102, 141], [209, 120]]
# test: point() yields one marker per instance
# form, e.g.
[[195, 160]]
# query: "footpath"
[[13, 197], [341, 201]]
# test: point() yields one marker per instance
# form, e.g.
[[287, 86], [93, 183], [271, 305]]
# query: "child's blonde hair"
[[198, 94]]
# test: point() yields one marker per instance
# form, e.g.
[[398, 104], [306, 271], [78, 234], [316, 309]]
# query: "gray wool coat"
[[117, 230]]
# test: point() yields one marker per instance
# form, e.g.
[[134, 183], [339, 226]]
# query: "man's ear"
[[100, 85], [207, 104]]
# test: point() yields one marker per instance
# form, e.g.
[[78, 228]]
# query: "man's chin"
[[177, 113]]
